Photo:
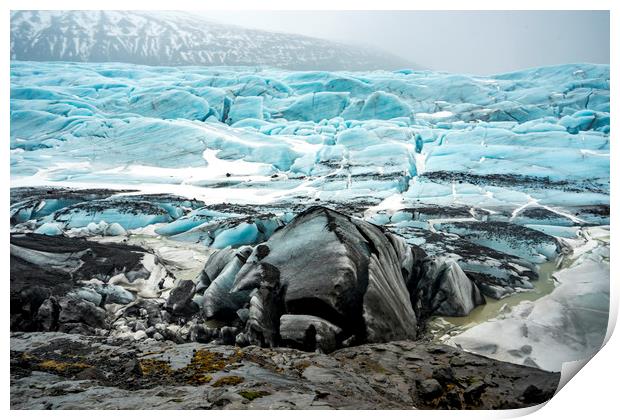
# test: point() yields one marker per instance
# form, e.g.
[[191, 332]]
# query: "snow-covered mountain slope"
[[175, 38]]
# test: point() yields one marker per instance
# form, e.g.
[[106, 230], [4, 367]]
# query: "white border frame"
[[592, 394]]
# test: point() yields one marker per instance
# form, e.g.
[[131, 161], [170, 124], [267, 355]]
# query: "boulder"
[[219, 300], [446, 290], [214, 265], [430, 388], [180, 300], [79, 311], [115, 294], [266, 306], [308, 333], [340, 269], [47, 315]]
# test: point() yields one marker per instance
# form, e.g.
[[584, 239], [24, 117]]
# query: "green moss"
[[302, 365], [62, 367], [203, 362], [374, 366], [27, 357], [153, 367], [228, 381], [207, 361], [196, 373], [469, 379], [199, 379], [252, 395]]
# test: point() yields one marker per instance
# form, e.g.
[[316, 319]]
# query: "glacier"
[[443, 194], [94, 124]]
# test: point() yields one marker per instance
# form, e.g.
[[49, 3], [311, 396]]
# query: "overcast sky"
[[479, 42]]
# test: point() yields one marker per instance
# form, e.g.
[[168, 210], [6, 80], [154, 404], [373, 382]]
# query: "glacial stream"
[[442, 328]]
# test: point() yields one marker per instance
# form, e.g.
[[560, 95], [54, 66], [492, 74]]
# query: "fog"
[[478, 42]]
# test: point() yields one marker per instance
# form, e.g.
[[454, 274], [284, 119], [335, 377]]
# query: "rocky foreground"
[[70, 371], [323, 310]]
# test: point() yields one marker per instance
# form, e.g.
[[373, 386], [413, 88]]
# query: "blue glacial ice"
[[49, 228], [506, 144], [217, 133]]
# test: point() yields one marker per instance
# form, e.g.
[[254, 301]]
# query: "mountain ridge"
[[177, 38]]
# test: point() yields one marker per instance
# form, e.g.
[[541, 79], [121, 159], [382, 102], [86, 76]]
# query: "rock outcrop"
[[307, 332], [345, 274], [323, 281], [340, 269], [113, 374], [446, 290], [58, 283]]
